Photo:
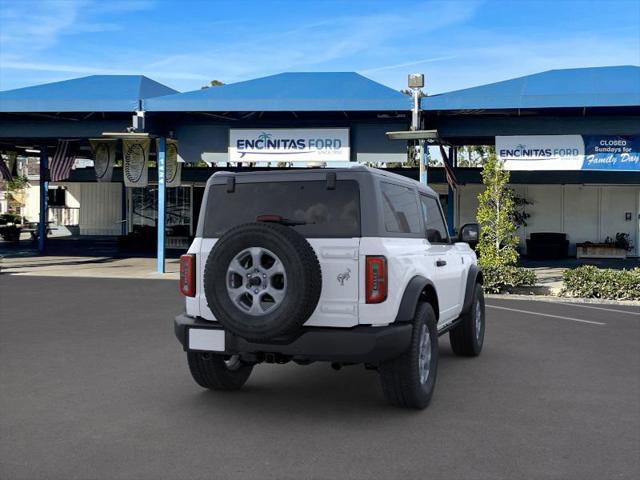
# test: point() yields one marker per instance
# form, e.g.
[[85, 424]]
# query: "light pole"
[[416, 83]]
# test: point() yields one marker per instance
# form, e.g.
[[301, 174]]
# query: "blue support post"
[[162, 149], [124, 231], [424, 162], [453, 158], [44, 199]]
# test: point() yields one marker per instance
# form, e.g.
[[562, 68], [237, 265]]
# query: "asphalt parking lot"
[[93, 385]]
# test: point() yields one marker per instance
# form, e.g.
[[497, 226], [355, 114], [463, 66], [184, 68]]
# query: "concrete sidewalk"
[[549, 276], [549, 280], [95, 267]]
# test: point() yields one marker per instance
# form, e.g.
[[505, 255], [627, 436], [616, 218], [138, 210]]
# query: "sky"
[[185, 44]]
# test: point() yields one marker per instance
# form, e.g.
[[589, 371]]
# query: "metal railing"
[[64, 215]]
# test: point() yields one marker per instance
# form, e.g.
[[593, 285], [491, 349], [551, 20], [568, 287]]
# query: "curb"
[[555, 299], [534, 290]]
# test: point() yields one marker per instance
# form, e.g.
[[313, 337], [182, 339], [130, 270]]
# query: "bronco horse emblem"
[[344, 276]]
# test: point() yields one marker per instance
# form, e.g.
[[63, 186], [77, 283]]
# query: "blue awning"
[[96, 93], [577, 87], [288, 92]]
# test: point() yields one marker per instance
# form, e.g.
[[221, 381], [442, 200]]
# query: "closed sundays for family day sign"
[[289, 145], [569, 152], [612, 153]]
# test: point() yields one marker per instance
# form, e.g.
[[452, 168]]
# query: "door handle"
[[441, 263]]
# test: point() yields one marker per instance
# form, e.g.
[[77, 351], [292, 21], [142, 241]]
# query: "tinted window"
[[327, 213], [400, 209], [434, 223]]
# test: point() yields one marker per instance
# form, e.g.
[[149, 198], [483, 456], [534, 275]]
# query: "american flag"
[[62, 161], [4, 170], [448, 170]]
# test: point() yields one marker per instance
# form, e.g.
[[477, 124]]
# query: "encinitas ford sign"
[[569, 152], [289, 145], [541, 152]]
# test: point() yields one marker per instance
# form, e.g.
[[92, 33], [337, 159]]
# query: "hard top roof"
[[320, 174]]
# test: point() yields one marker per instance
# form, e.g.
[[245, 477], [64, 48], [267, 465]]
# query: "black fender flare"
[[474, 276], [411, 297]]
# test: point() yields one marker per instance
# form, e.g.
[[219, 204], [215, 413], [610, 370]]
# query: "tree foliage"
[[18, 183], [15, 192], [496, 211], [213, 83], [474, 155]]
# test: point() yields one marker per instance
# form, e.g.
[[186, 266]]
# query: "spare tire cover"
[[262, 280]]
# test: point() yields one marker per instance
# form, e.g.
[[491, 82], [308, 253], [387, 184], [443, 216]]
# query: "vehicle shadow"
[[280, 392]]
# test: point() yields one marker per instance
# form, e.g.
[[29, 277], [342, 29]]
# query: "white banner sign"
[[289, 145], [541, 152], [104, 157], [136, 162]]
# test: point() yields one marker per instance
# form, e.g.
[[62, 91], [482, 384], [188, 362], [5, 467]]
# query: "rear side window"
[[325, 213], [400, 209], [433, 221]]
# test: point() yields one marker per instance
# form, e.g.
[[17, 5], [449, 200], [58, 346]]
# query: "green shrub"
[[501, 277], [592, 282]]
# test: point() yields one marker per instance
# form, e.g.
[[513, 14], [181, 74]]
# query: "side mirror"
[[469, 233]]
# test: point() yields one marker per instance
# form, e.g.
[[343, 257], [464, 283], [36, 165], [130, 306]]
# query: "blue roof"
[[577, 87], [96, 93], [298, 92]]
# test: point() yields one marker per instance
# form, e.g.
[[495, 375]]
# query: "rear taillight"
[[376, 279], [188, 275]]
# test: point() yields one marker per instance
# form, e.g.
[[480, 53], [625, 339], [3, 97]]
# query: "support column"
[[453, 158], [124, 231], [424, 158], [162, 149], [44, 199]]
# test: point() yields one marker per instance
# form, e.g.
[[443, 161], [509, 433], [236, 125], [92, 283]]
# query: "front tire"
[[468, 337], [218, 372], [409, 380]]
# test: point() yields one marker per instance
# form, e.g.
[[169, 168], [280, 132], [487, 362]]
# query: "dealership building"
[[570, 137]]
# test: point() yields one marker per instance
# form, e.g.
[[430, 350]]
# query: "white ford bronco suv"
[[347, 266]]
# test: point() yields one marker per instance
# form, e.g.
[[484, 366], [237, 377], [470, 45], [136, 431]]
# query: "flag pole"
[[453, 157]]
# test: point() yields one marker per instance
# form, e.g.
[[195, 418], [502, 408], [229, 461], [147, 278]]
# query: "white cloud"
[[88, 70], [314, 46], [408, 64], [352, 42], [436, 37], [31, 27], [499, 57]]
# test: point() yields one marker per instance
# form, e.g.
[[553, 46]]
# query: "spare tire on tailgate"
[[262, 280]]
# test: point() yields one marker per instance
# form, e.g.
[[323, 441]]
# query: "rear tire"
[[218, 372], [468, 337], [409, 380]]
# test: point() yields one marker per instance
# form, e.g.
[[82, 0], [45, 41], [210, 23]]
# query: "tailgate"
[[338, 305]]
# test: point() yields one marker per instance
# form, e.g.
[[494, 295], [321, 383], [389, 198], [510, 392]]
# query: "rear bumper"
[[361, 344]]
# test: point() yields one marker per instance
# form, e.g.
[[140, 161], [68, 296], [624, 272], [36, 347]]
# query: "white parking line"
[[546, 315], [597, 308]]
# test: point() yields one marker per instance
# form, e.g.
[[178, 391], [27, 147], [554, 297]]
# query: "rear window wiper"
[[281, 220]]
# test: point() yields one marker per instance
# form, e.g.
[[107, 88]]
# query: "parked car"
[[339, 265]]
